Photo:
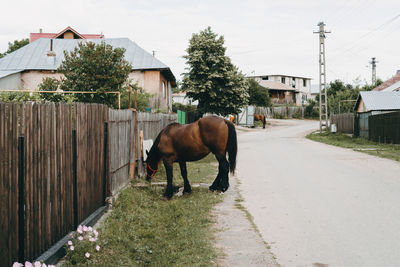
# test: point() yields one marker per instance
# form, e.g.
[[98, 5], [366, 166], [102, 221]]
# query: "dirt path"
[[236, 237]]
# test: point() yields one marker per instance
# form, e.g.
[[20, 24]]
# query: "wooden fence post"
[[105, 162], [21, 198], [75, 186]]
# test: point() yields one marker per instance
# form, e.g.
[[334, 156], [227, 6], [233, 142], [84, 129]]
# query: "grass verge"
[[145, 230], [390, 151]]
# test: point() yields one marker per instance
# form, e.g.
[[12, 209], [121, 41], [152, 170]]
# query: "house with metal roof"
[[370, 103], [286, 89], [26, 67]]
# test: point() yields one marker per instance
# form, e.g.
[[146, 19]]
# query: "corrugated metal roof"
[[376, 100], [34, 55]]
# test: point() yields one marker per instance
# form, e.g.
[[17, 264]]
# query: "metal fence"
[[385, 128], [282, 112], [344, 122]]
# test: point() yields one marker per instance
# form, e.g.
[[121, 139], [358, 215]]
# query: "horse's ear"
[[147, 152]]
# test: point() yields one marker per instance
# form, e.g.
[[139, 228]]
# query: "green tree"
[[95, 68], [212, 79], [142, 101], [258, 95], [52, 84], [14, 46]]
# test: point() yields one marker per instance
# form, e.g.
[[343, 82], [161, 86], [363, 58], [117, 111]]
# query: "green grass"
[[145, 230], [390, 151]]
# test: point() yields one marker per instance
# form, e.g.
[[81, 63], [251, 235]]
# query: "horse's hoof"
[[186, 193]]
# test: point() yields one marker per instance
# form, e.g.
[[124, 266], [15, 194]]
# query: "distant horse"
[[260, 117], [192, 142]]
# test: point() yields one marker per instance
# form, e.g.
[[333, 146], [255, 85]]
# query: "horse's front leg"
[[169, 191], [186, 184]]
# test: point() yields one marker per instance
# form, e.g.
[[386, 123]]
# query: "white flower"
[[70, 243], [17, 264], [28, 264], [90, 228], [87, 254], [98, 248], [85, 228], [80, 231], [92, 239], [71, 248], [37, 264], [96, 233], [80, 238]]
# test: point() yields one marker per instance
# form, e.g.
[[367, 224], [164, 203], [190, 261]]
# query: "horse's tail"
[[231, 146]]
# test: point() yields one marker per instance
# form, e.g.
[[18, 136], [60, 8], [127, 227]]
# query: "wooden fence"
[[52, 174], [344, 122], [150, 126], [122, 145], [385, 128]]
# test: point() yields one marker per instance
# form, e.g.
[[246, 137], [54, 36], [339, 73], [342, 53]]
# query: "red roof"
[[388, 83], [34, 36]]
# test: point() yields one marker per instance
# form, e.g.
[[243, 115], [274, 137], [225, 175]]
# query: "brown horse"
[[260, 117], [192, 142]]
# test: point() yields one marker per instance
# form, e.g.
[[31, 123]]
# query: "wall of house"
[[11, 82], [30, 80], [137, 76]]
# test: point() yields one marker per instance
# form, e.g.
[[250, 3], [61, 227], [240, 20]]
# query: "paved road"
[[316, 204]]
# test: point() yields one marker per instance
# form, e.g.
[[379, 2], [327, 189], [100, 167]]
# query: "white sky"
[[262, 37]]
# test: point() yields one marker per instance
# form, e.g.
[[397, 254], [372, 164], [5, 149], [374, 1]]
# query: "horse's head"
[[151, 167]]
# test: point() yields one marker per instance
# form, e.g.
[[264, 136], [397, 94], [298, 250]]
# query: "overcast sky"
[[262, 37]]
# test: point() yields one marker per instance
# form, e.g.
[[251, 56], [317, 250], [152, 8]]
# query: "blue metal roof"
[[34, 55], [378, 100]]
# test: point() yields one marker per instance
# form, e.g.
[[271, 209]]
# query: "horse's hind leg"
[[169, 191], [186, 185], [221, 182]]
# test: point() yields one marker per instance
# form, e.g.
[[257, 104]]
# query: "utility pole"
[[373, 63], [323, 98]]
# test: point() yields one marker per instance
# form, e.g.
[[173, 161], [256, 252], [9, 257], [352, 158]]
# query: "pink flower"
[[85, 228], [37, 264], [96, 233], [80, 238], [71, 248], [98, 248], [70, 243], [90, 228], [17, 264], [28, 264], [92, 239], [87, 254]]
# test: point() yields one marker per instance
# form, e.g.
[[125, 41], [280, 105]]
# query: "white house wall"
[[11, 82]]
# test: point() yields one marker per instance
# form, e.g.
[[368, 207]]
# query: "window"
[[164, 92], [294, 82], [304, 82], [265, 78], [283, 80]]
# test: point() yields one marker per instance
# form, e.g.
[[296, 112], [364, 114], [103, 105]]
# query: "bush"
[[18, 97], [311, 110], [52, 84]]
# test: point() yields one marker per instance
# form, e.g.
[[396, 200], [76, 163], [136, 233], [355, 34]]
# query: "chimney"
[[40, 30], [51, 56]]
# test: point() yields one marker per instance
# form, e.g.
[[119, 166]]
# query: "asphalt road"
[[319, 205]]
